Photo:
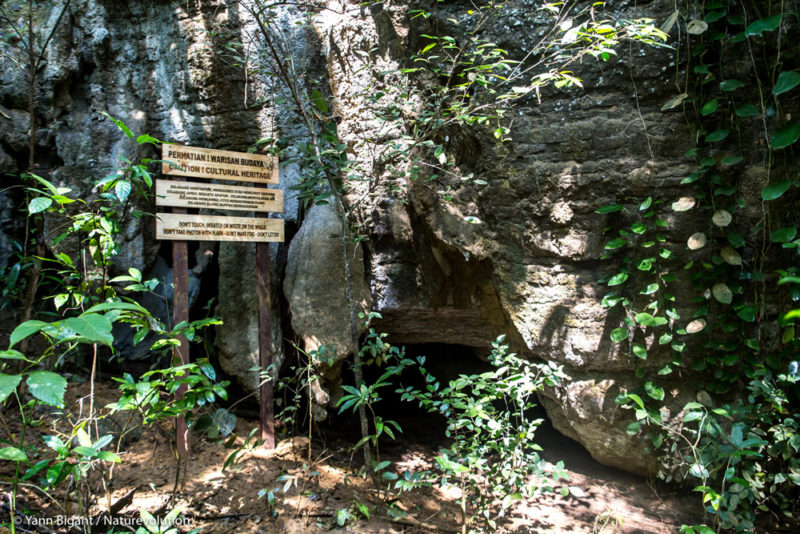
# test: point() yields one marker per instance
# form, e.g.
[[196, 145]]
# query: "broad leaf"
[[618, 334], [618, 279], [123, 190], [775, 190], [747, 110], [721, 218], [710, 107], [696, 241], [8, 383], [763, 25], [783, 235], [654, 391], [787, 80], [39, 204], [610, 208], [731, 85], [14, 454], [48, 387], [12, 354], [28, 328], [319, 101], [717, 135], [785, 136], [93, 327]]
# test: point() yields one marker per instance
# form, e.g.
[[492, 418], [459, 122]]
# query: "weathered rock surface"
[[520, 255], [315, 283]]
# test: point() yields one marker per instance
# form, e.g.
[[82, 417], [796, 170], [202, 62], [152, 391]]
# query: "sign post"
[[180, 227], [266, 407]]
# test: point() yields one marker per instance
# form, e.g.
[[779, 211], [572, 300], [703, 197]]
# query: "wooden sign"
[[218, 197], [178, 226], [219, 164]]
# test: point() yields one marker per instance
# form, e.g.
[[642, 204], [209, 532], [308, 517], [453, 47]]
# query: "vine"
[[735, 335]]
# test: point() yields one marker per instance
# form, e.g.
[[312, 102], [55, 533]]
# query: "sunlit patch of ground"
[[310, 487]]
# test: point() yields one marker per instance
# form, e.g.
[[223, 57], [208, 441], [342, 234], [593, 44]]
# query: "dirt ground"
[[309, 493]]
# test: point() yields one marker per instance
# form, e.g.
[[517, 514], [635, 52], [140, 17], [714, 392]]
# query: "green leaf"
[[654, 391], [618, 279], [94, 328], [48, 387], [615, 244], [709, 107], [618, 334], [646, 204], [319, 101], [146, 138], [650, 289], [121, 125], [747, 110], [717, 135], [785, 136], [39, 204], [639, 351], [14, 454], [736, 240], [12, 354], [763, 25], [731, 160], [610, 208], [111, 306], [8, 383], [645, 319], [123, 190], [783, 235], [24, 330], [787, 80], [748, 314], [731, 85], [775, 190], [82, 450]]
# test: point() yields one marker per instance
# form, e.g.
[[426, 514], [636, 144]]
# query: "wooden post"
[[266, 406], [180, 312]]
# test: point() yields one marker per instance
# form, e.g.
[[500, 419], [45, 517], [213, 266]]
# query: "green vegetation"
[[735, 334]]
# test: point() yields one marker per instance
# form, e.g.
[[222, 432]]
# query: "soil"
[[311, 483]]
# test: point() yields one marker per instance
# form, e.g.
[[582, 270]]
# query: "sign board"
[[177, 226], [218, 197], [219, 164]]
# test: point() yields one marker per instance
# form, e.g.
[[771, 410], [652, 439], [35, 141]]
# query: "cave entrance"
[[420, 428], [444, 361]]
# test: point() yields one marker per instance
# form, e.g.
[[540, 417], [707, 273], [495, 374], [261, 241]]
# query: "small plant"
[[493, 457], [376, 351]]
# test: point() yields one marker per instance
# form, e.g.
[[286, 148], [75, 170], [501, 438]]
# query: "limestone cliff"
[[519, 255]]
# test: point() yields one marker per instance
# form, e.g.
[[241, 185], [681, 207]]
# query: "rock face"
[[520, 255], [315, 283], [446, 260]]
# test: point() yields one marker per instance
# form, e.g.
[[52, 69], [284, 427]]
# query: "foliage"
[[493, 457], [376, 351], [88, 307], [737, 334], [464, 81]]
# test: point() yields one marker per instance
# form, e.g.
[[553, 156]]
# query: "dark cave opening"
[[421, 428]]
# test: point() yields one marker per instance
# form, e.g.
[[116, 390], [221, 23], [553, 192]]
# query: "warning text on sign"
[[215, 228]]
